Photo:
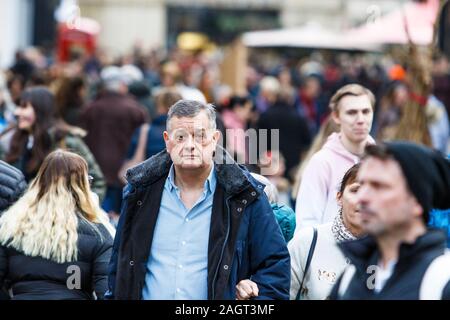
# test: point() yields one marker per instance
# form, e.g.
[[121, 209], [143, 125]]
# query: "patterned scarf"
[[340, 231]]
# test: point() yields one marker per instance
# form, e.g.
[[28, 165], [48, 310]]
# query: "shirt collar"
[[210, 183], [209, 186]]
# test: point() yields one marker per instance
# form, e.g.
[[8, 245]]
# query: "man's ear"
[[166, 139], [216, 136], [416, 208]]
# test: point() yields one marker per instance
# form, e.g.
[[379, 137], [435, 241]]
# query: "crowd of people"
[[133, 179]]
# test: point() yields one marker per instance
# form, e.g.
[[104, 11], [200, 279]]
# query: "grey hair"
[[113, 86], [190, 109]]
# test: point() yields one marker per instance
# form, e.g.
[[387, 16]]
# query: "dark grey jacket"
[[12, 185], [37, 278], [405, 282]]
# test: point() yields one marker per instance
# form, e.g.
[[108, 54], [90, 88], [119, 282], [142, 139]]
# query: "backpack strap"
[[308, 262], [435, 278], [349, 272]]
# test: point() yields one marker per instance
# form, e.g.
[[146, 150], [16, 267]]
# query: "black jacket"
[[244, 240], [12, 185], [405, 282], [295, 137], [36, 278]]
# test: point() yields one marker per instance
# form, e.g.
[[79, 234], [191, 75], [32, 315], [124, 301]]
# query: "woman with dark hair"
[[16, 85], [55, 241], [327, 261], [316, 260], [39, 132], [70, 99]]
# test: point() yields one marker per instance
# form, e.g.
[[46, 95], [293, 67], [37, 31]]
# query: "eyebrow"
[[190, 129], [357, 109]]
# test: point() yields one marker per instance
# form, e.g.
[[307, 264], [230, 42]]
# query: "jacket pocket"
[[235, 271]]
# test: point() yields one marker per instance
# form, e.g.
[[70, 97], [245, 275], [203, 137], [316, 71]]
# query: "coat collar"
[[231, 176], [363, 252]]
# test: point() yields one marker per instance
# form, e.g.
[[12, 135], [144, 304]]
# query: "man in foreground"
[[400, 259]]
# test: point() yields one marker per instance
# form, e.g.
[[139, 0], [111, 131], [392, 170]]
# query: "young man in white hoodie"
[[352, 109]]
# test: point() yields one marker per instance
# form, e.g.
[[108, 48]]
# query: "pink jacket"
[[316, 200], [235, 133]]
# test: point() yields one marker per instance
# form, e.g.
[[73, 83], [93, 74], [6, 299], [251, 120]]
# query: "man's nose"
[[190, 142], [362, 194], [359, 117]]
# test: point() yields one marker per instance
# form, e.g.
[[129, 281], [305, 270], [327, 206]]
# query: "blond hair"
[[352, 89], [44, 221]]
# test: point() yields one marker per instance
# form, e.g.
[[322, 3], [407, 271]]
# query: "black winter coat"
[[245, 240], [36, 278], [12, 185], [405, 282]]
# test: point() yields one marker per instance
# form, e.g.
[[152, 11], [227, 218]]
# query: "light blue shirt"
[[177, 268]]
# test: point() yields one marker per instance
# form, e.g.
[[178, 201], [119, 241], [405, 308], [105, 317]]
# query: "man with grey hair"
[[110, 122], [193, 225]]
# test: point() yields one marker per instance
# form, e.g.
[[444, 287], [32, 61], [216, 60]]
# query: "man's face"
[[354, 115], [312, 88], [168, 79], [385, 203], [191, 141]]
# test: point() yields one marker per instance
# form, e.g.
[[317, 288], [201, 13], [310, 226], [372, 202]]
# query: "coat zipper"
[[223, 248]]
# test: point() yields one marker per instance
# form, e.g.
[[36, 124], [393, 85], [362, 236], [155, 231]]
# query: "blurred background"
[[304, 49], [158, 23], [244, 56]]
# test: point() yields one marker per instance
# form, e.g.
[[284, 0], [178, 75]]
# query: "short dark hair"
[[378, 151], [349, 177], [238, 101]]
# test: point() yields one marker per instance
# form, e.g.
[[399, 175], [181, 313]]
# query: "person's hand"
[[246, 289]]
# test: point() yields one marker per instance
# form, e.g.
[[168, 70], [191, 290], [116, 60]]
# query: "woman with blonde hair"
[[55, 241]]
